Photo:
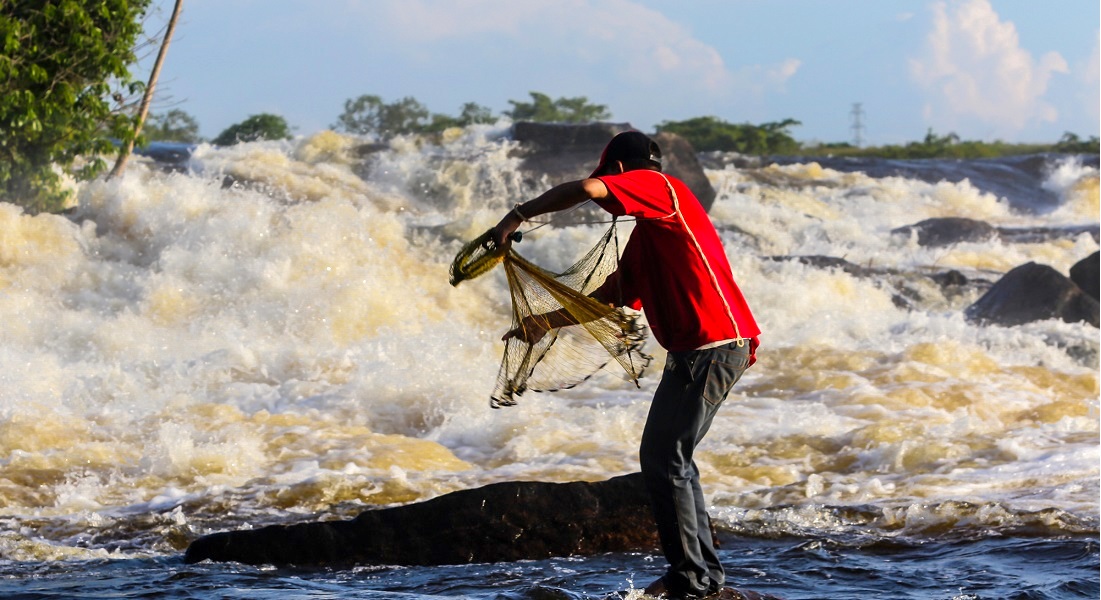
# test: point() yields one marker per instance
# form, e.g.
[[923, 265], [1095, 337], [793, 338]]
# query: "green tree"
[[63, 61], [708, 134], [172, 126], [563, 110], [264, 126], [470, 114], [1072, 144], [475, 114], [369, 115]]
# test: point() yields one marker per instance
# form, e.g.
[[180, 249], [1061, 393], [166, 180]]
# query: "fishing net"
[[568, 354]]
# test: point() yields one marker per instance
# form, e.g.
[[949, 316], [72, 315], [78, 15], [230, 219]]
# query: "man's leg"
[[715, 573], [693, 386]]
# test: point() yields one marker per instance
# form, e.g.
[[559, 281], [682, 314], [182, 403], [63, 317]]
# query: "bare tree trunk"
[[143, 110]]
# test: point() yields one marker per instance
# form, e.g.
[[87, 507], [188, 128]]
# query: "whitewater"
[[269, 336]]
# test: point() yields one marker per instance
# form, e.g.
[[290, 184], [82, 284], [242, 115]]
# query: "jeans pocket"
[[724, 369]]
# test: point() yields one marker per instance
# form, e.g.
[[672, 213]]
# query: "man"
[[674, 269]]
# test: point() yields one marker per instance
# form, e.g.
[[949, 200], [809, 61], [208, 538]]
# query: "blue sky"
[[1013, 70]]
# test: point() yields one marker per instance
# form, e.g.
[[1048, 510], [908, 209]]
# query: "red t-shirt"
[[662, 271]]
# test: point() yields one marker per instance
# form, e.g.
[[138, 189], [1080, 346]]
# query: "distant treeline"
[[371, 116], [951, 146]]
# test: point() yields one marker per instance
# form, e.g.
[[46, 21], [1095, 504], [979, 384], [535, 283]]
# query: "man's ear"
[[620, 164]]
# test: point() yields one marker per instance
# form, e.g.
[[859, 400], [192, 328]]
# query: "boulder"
[[173, 157], [1085, 274], [1039, 235], [565, 151], [946, 231], [1033, 292], [499, 522]]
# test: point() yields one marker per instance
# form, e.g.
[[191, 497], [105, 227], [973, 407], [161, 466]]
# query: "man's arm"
[[559, 197]]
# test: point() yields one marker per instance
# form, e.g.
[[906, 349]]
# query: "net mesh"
[[568, 354]]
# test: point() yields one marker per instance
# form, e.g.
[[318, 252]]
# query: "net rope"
[[567, 354]]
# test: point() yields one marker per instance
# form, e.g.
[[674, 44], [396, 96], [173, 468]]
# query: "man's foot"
[[733, 594], [657, 589]]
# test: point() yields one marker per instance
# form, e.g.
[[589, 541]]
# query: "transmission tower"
[[857, 127]]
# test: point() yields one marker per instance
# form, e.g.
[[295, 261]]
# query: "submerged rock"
[[946, 231], [949, 230], [499, 522], [1033, 292]]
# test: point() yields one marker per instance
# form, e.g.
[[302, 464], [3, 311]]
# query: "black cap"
[[626, 146]]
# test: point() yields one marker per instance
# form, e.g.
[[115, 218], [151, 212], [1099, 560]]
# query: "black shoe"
[[657, 589]]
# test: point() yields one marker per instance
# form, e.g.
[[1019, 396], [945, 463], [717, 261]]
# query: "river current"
[[181, 355]]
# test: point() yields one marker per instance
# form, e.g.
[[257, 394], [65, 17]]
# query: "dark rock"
[[951, 278], [565, 151], [1085, 274], [1033, 292], [1037, 235], [1018, 179], [499, 522], [828, 262], [366, 150], [553, 137], [680, 160], [946, 231], [169, 156]]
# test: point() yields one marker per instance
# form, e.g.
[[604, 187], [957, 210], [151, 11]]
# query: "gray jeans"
[[692, 387]]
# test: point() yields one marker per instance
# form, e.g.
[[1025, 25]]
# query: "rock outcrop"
[[946, 231], [1085, 274], [566, 151], [1033, 292], [499, 522]]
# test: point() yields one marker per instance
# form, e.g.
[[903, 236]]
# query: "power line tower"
[[857, 126]]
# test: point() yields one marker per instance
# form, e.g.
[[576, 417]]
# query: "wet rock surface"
[[499, 522]]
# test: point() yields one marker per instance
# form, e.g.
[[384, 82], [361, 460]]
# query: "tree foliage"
[[370, 115], [1070, 143], [708, 134], [563, 110], [264, 126], [935, 145], [62, 63], [469, 114], [172, 126]]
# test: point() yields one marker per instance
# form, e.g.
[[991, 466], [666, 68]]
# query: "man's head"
[[632, 150]]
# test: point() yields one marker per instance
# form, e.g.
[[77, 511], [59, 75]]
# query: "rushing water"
[[180, 356]]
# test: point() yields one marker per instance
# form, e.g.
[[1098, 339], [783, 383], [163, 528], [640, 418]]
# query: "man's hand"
[[510, 223]]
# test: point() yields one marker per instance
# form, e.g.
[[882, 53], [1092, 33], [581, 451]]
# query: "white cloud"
[[628, 51], [974, 69]]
